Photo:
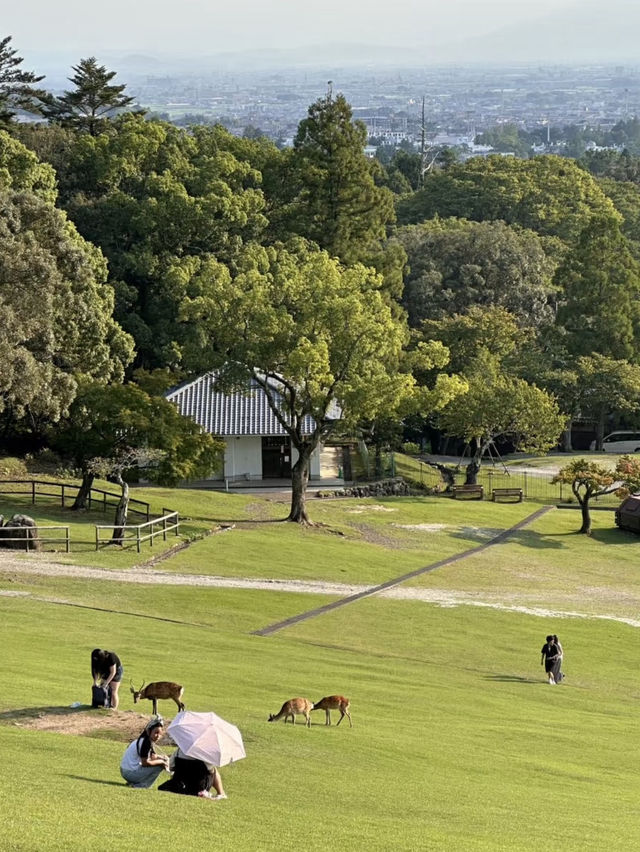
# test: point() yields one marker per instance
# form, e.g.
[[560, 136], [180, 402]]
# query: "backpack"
[[100, 696]]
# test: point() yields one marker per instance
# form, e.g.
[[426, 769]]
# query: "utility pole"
[[426, 160]]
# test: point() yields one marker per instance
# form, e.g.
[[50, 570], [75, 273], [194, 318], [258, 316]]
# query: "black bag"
[[100, 696]]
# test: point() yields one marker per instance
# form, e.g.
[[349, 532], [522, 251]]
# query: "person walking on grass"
[[558, 674], [549, 657]]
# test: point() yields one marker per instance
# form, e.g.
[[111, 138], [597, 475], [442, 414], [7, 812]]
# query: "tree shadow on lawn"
[[526, 538]]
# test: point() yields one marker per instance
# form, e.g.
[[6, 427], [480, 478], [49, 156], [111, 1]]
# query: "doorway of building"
[[276, 458]]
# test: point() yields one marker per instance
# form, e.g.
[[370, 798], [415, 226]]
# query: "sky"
[[87, 27]]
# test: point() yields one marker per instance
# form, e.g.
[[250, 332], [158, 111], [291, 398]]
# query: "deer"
[[299, 706], [334, 702], [161, 689]]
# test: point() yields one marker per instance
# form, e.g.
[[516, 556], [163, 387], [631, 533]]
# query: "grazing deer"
[[300, 706], [161, 689], [334, 702]]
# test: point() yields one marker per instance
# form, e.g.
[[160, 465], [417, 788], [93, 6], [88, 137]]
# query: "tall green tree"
[[599, 283], [56, 309], [605, 385], [171, 209], [325, 189], [320, 339], [93, 100], [17, 86]]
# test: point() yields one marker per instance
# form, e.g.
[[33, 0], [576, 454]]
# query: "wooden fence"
[[27, 540], [139, 533], [67, 491]]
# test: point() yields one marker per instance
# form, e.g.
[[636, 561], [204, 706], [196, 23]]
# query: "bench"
[[499, 493], [470, 492]]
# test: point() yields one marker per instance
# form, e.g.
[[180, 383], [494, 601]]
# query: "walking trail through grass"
[[43, 565]]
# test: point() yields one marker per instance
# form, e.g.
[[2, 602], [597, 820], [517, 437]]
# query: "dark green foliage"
[[549, 195], [455, 264], [600, 291]]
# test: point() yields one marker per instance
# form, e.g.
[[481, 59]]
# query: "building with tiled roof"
[[257, 446]]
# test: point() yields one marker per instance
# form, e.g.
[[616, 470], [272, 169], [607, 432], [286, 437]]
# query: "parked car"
[[620, 442]]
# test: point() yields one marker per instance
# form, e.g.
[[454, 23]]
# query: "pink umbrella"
[[207, 737]]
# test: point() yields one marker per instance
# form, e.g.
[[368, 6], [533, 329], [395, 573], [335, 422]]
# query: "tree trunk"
[[566, 439], [586, 516], [600, 432], [299, 480], [82, 497], [473, 468], [122, 510]]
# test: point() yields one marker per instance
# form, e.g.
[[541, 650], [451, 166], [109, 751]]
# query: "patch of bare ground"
[[120, 725], [374, 536]]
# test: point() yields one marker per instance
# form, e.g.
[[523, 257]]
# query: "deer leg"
[[155, 706], [327, 720], [349, 717], [308, 719], [341, 717]]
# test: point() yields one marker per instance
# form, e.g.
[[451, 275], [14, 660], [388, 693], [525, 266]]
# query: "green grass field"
[[457, 742]]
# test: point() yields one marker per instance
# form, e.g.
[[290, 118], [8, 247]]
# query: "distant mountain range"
[[591, 32]]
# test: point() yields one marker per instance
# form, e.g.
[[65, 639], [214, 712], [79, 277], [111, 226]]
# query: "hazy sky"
[[84, 27]]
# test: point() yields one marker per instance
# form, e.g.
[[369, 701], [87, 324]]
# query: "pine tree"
[[93, 101], [16, 86]]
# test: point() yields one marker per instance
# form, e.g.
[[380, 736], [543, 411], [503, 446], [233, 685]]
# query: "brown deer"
[[299, 706], [161, 689], [334, 702]]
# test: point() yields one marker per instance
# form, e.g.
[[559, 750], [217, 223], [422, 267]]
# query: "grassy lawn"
[[458, 742]]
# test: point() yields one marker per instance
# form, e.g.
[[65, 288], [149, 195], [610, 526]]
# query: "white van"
[[620, 442]]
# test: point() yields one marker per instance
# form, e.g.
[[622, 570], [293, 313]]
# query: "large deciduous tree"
[[56, 310], [320, 339], [93, 100], [454, 264], [170, 209], [17, 89], [550, 195], [109, 421]]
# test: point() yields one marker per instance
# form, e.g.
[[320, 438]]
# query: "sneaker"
[[205, 794], [219, 796]]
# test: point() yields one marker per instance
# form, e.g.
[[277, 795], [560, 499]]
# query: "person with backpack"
[[141, 765], [107, 671]]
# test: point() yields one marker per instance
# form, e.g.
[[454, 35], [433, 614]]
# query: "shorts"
[[118, 675]]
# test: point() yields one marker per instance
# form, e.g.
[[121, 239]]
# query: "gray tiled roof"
[[228, 414]]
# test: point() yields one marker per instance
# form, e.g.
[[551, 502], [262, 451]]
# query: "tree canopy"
[[550, 195], [455, 264], [56, 310]]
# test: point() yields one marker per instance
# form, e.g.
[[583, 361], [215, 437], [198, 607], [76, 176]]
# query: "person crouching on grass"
[[140, 765]]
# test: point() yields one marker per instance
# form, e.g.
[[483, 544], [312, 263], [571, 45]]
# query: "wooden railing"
[[27, 539], [137, 534], [67, 491]]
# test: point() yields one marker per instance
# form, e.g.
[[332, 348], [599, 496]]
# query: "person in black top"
[[550, 656], [106, 669], [193, 777]]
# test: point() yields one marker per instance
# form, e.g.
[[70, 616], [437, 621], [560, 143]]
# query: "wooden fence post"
[[97, 538], [138, 534], [33, 492]]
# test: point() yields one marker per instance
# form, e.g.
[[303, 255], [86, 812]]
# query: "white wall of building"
[[243, 459]]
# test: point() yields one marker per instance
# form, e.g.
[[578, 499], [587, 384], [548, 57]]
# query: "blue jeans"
[[144, 776]]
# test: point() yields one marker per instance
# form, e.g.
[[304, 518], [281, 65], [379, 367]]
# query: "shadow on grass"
[[34, 712], [512, 679], [98, 781], [526, 538]]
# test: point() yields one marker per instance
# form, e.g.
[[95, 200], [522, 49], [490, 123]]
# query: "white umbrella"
[[207, 737]]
